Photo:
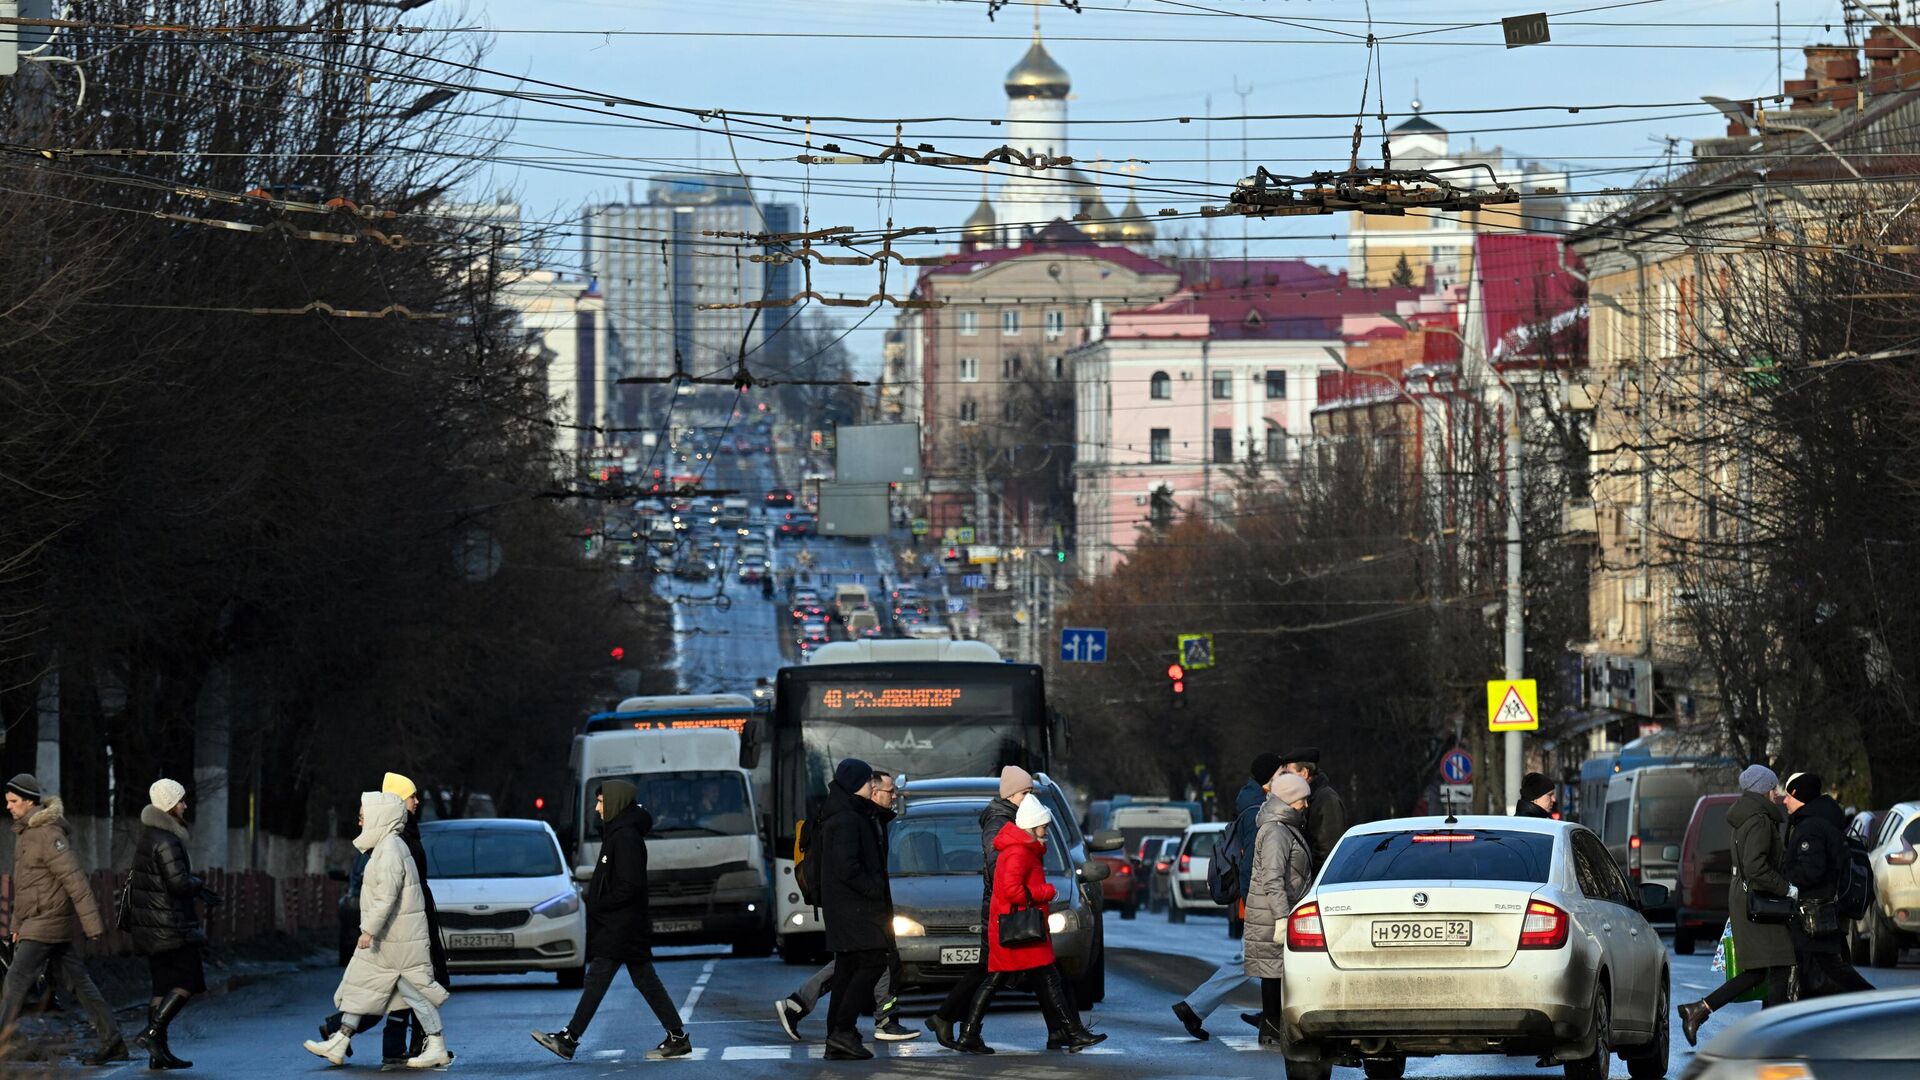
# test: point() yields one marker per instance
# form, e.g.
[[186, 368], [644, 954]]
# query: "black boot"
[[970, 1040], [154, 1039], [1691, 1017], [112, 1048], [1065, 1032]]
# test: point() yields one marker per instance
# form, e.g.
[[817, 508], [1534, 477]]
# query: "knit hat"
[[1307, 754], [398, 786], [852, 774], [1758, 779], [166, 794], [1264, 767], [1014, 780], [1804, 786], [616, 796], [25, 786], [1533, 785], [1290, 787], [1032, 814]]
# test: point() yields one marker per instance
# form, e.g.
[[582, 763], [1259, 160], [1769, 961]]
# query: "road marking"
[[757, 1053], [1241, 1042], [609, 1055], [699, 987]]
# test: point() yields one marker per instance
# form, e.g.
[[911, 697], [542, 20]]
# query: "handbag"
[[1024, 925], [1818, 918], [1769, 908]]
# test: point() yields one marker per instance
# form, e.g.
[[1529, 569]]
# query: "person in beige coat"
[[1281, 874], [393, 967]]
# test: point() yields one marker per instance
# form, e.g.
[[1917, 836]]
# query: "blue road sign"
[[1457, 767], [974, 581], [1083, 645]]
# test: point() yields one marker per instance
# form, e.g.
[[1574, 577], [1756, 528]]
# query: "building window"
[[1222, 445], [1056, 323], [1006, 409], [1223, 386], [1160, 512], [969, 411], [1009, 366], [1010, 321], [969, 369], [1160, 446], [1059, 367], [969, 323], [1276, 443], [1161, 387], [1276, 386]]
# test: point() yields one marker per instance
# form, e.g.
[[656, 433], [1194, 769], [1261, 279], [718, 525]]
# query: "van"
[[1706, 870], [848, 597], [863, 622], [1646, 816]]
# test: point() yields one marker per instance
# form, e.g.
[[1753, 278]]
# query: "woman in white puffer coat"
[[393, 967]]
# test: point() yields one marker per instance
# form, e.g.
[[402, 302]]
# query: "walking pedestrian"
[[1020, 882], [52, 905], [619, 930], [1016, 786], [855, 901], [790, 1010], [392, 965], [1326, 811], [1281, 873], [1230, 976], [1816, 859], [166, 927], [1537, 797], [1764, 951]]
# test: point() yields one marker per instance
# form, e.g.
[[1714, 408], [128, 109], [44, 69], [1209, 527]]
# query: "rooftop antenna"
[[1244, 166]]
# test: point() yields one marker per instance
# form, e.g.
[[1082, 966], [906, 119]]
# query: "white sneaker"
[[334, 1049], [789, 1014], [433, 1055]]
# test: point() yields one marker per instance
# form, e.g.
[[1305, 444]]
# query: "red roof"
[[1309, 305], [1053, 241], [1528, 283]]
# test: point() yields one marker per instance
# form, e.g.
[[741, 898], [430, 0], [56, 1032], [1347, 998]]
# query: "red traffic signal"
[[1175, 672], [618, 653], [539, 803]]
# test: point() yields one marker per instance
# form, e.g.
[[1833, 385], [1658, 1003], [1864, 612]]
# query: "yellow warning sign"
[[1513, 706]]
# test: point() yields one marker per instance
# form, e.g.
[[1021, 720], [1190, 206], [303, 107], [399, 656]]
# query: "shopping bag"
[[1727, 961]]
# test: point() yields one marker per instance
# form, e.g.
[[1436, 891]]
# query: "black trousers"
[[1271, 1000], [1779, 987], [600, 972], [854, 975], [960, 998]]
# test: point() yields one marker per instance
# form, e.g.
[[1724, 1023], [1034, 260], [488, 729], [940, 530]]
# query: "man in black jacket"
[[1816, 858], [619, 930], [1016, 787], [1326, 813], [1537, 797], [855, 901]]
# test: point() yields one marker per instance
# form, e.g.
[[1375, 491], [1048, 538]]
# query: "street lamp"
[[1765, 125]]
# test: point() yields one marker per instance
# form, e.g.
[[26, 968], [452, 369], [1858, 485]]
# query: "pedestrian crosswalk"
[[798, 1052]]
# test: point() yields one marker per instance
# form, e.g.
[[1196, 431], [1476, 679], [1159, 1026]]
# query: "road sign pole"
[[1516, 643]]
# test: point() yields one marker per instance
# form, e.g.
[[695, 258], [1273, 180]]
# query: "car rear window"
[[1200, 844], [1714, 833], [1441, 855]]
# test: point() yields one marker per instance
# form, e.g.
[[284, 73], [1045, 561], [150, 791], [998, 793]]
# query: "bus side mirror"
[[750, 735]]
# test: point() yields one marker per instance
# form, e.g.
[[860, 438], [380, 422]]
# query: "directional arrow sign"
[[1513, 705], [1083, 645]]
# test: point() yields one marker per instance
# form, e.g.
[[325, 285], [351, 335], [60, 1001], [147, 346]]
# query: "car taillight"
[[1545, 927], [1304, 932], [1633, 856], [1125, 869], [1186, 863], [1160, 867]]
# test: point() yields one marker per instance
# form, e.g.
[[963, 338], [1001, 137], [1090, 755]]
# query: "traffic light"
[[1177, 684], [1060, 556], [539, 803], [618, 654]]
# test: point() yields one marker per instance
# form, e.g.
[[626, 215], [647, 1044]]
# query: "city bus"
[[918, 709]]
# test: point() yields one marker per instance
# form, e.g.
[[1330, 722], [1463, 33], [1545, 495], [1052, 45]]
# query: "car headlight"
[[560, 906], [1057, 922], [905, 927]]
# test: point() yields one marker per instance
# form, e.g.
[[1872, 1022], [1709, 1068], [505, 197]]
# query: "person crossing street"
[[1194, 1009], [855, 901], [1816, 858], [1016, 787], [1279, 875], [161, 893]]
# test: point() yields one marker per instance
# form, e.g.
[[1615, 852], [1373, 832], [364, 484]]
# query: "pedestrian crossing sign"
[[1513, 705]]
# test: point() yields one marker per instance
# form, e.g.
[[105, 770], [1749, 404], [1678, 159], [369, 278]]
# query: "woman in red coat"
[[1020, 881]]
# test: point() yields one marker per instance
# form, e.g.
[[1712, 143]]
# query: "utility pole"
[[1516, 643]]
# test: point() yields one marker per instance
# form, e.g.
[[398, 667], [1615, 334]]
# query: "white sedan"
[[1475, 935], [507, 902]]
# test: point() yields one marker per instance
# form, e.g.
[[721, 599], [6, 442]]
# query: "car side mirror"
[[1095, 871], [1107, 840], [1654, 896], [1670, 853]]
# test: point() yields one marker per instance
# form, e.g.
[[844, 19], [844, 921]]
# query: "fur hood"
[[155, 818], [50, 811]]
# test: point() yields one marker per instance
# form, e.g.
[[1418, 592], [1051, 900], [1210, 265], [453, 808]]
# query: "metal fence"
[[257, 903]]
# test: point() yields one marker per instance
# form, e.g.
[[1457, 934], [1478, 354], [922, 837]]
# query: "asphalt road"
[[256, 1031]]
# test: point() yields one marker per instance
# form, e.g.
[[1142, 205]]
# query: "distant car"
[[1706, 870], [1159, 873], [863, 623], [506, 900], [929, 631], [1845, 1037], [663, 564], [1143, 856], [1893, 919], [812, 635], [806, 606], [695, 567], [779, 497], [796, 524], [1476, 935], [1117, 892], [752, 569], [1187, 892], [1647, 810]]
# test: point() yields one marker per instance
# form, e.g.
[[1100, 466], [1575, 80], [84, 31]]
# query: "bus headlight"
[[1056, 922], [905, 927], [559, 906], [798, 918]]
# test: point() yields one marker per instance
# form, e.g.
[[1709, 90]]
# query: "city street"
[[727, 1004]]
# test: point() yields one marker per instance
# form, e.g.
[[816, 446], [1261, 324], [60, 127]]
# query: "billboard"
[[853, 509], [877, 453]]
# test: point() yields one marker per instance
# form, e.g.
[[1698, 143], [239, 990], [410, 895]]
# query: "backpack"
[[804, 863], [1224, 874], [1856, 880]]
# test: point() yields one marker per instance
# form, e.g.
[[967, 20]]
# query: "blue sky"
[[944, 58]]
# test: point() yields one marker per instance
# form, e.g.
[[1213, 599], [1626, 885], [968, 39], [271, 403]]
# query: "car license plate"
[[676, 926], [962, 955], [479, 941], [1428, 932]]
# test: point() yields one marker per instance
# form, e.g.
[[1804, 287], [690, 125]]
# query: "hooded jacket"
[[619, 926], [1758, 858], [163, 887], [1326, 820], [1280, 874], [1018, 872], [52, 901], [393, 911], [855, 898], [1816, 855], [998, 815]]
